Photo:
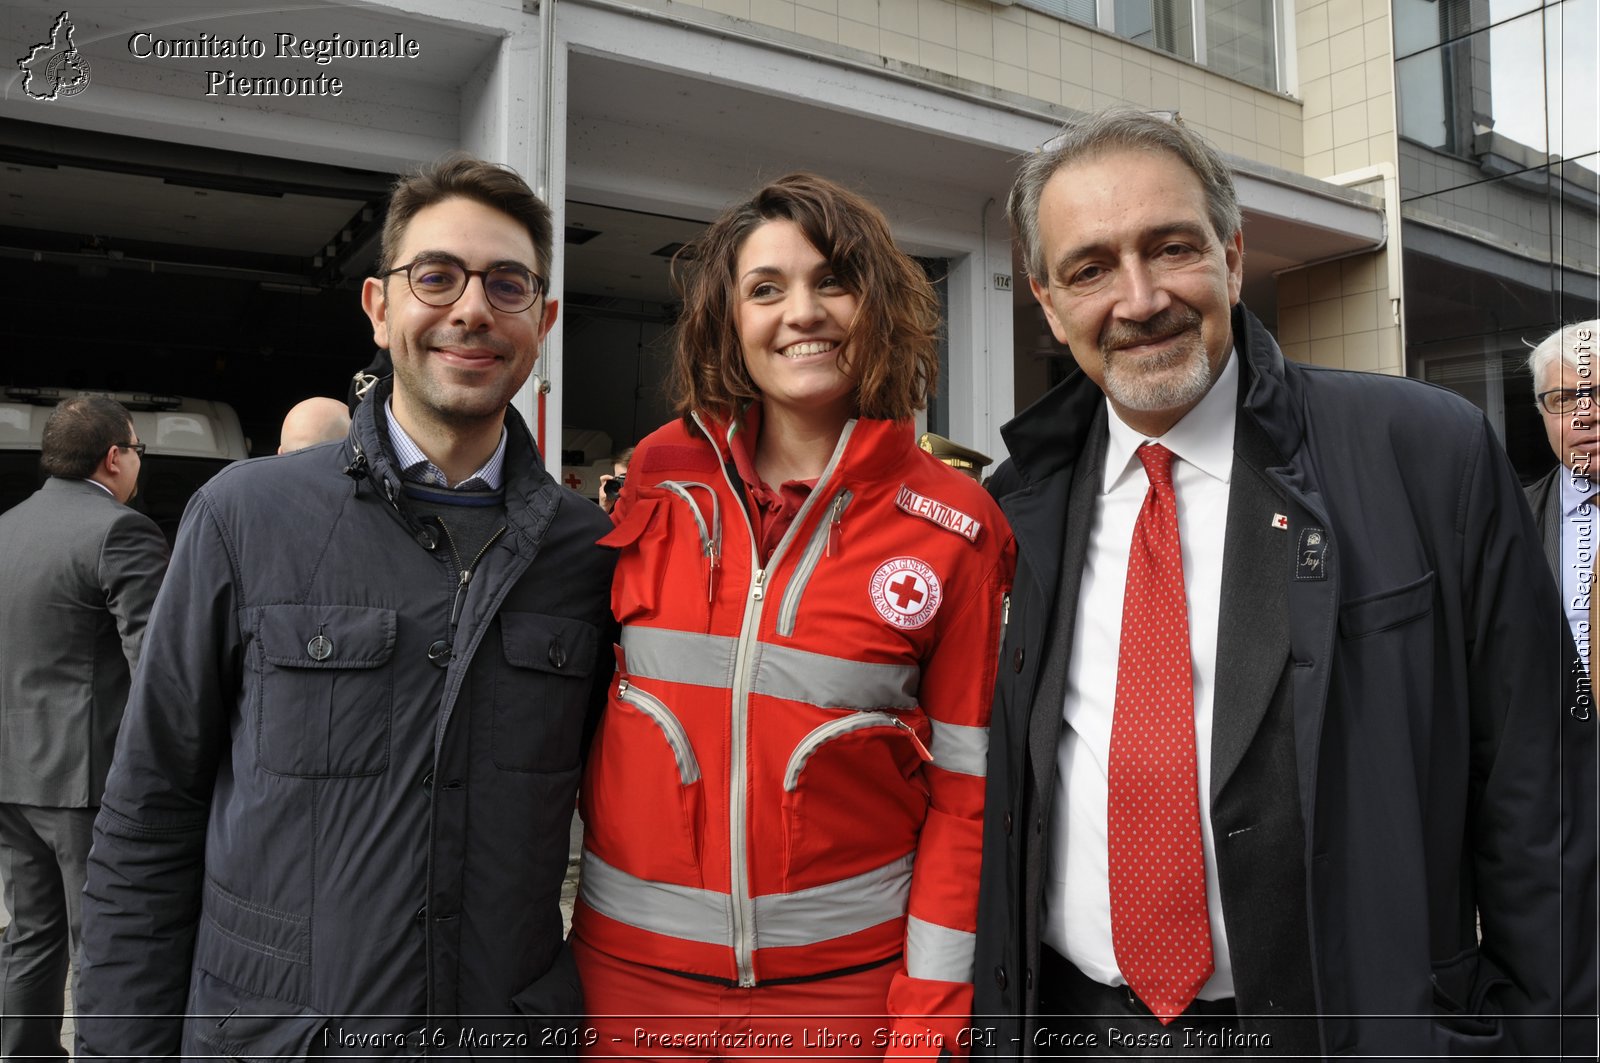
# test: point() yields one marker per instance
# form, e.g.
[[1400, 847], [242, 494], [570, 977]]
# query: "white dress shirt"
[[1077, 920], [1577, 554]]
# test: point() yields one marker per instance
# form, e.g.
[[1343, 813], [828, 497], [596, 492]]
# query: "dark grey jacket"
[[1407, 655], [322, 835], [78, 573]]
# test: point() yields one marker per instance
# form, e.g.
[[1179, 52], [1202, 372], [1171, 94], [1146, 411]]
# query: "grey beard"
[[1179, 378]]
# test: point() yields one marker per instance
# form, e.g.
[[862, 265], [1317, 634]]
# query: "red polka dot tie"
[[1159, 924]]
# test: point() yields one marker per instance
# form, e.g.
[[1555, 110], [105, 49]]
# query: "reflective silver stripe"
[[822, 913], [656, 711], [959, 748], [780, 672], [679, 656], [937, 952], [659, 907], [681, 489], [826, 733], [804, 917], [789, 606], [834, 682]]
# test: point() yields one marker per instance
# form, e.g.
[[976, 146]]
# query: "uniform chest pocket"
[[542, 691], [645, 540], [325, 689]]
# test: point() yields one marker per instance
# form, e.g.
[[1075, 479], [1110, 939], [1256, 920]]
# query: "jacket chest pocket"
[[542, 690], [326, 691], [644, 539]]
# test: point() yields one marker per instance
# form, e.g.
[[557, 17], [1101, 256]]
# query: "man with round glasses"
[[1565, 374], [337, 823]]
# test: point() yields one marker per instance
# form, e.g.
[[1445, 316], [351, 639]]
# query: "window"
[[1240, 38]]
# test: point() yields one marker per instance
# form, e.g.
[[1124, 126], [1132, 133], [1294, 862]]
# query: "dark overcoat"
[[1399, 752], [337, 820]]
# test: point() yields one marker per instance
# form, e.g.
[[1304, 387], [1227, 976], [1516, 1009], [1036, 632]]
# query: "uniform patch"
[[932, 510], [906, 592]]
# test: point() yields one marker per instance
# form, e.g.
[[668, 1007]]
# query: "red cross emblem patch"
[[906, 592]]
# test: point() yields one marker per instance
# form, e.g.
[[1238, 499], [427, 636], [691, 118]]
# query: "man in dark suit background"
[[1281, 761], [79, 571], [1564, 377]]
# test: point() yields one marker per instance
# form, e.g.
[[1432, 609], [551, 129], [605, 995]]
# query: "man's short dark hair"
[[1118, 129], [459, 175], [78, 434]]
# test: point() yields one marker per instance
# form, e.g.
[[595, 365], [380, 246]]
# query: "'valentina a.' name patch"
[[944, 516]]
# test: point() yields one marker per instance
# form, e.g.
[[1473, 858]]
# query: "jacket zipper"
[[466, 574], [742, 905], [827, 732], [826, 536], [710, 537], [677, 738]]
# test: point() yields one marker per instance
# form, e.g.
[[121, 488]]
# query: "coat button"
[[1007, 822], [427, 538], [1027, 980], [320, 648], [427, 781], [422, 913], [1000, 977], [1016, 660], [439, 653], [557, 654]]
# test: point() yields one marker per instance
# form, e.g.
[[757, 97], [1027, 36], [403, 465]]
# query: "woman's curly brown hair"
[[891, 348]]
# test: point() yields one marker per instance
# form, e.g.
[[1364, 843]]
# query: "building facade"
[[1391, 224]]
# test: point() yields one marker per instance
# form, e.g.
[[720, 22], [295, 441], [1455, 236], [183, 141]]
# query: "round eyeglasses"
[[440, 282]]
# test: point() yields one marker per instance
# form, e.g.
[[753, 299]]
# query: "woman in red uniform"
[[784, 799]]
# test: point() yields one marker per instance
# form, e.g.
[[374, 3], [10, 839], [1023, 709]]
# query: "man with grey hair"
[[1564, 377], [1271, 756]]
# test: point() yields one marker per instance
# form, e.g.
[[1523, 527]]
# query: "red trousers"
[[639, 1012]]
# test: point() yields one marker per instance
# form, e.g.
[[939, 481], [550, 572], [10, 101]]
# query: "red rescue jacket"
[[788, 779]]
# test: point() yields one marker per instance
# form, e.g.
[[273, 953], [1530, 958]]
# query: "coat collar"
[[1049, 435], [530, 491], [868, 448]]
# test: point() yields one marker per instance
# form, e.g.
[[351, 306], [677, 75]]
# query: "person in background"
[[784, 800], [337, 821], [313, 420], [1565, 375], [79, 571], [611, 483], [962, 458], [1284, 763]]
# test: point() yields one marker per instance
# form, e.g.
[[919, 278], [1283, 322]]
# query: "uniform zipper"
[[822, 735], [742, 904], [827, 536], [710, 537], [654, 708]]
